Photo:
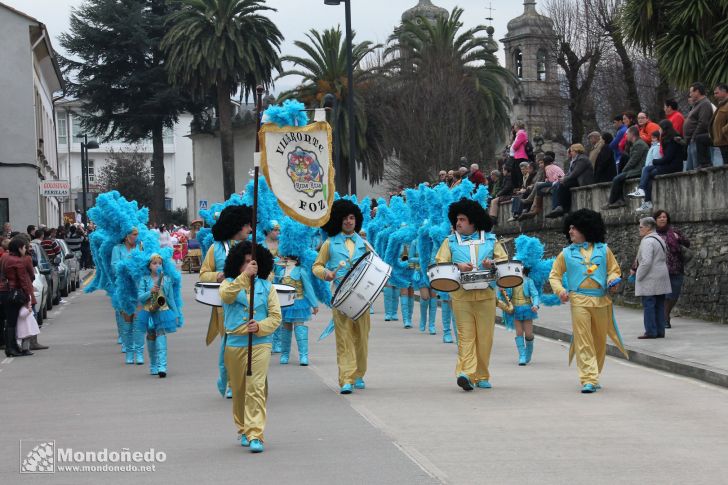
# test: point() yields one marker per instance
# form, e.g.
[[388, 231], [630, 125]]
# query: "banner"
[[298, 164]]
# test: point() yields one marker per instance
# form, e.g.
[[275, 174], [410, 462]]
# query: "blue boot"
[[302, 342], [424, 306], [433, 315], [395, 304], [529, 350], [410, 308], [222, 377], [128, 341], [139, 336], [446, 335], [404, 300], [162, 355], [521, 346], [120, 331], [285, 344], [152, 350], [276, 347], [388, 303]]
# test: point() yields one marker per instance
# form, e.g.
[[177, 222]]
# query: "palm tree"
[[454, 89], [689, 37], [219, 45], [324, 71]]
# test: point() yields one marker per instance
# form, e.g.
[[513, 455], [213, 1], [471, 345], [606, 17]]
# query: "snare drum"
[[208, 294], [361, 285], [477, 280], [286, 294], [510, 273], [444, 277]]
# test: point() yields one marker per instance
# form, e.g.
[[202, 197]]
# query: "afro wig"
[[236, 258], [231, 221], [587, 222], [339, 210], [473, 211]]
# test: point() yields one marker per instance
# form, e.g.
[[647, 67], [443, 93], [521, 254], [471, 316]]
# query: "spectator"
[[450, 178], [504, 194], [476, 176], [518, 152], [86, 256], [526, 202], [673, 148], [49, 243], [455, 178], [7, 229], [675, 116], [629, 119], [646, 127], [30, 230], [580, 173], [604, 167], [16, 277], [652, 281], [74, 240], [495, 181], [165, 241], [596, 143], [552, 175], [442, 177], [675, 241], [78, 218], [633, 169], [719, 122], [517, 203], [697, 128], [619, 131]]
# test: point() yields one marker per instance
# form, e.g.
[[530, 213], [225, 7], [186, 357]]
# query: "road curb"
[[653, 360]]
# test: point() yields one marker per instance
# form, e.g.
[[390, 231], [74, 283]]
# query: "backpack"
[[529, 151]]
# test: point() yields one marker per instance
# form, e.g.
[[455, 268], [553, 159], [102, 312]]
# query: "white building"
[[177, 156], [29, 76]]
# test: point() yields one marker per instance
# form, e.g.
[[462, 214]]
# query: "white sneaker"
[[637, 194], [645, 207]]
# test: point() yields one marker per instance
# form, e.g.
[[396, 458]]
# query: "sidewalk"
[[691, 348]]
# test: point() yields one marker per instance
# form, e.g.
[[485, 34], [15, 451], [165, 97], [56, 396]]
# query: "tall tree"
[[324, 71], [689, 37], [449, 93], [117, 71], [127, 172], [221, 45]]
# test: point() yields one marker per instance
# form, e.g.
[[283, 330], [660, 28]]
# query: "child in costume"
[[249, 392], [591, 272], [159, 309]]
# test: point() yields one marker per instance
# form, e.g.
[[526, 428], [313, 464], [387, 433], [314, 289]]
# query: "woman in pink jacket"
[[518, 152]]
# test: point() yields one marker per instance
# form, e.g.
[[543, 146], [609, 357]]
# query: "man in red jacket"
[[476, 176]]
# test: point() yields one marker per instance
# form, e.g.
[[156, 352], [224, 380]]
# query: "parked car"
[[73, 269], [50, 271], [40, 289]]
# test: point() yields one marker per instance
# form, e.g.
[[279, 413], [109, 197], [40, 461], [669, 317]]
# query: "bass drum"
[[361, 285], [208, 294]]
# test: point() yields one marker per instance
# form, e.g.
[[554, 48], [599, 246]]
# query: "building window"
[[518, 62], [541, 65], [91, 172], [62, 129], [76, 129], [168, 136], [4, 211], [167, 204]]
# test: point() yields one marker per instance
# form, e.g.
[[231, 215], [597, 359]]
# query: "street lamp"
[[332, 104], [350, 93], [85, 145]]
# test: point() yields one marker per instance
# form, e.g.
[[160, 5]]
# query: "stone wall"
[[697, 202]]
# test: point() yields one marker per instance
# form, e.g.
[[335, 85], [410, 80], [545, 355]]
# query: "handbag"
[[686, 254], [16, 296]]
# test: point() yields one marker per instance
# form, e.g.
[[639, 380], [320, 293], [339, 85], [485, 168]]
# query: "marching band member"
[[336, 256], [159, 308], [233, 226], [428, 302], [591, 272], [249, 392], [131, 328], [472, 247], [397, 256]]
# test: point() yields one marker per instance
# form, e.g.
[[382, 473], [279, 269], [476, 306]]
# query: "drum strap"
[[227, 247], [473, 243]]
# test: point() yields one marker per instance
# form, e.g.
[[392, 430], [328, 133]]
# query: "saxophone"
[[158, 300], [508, 304]]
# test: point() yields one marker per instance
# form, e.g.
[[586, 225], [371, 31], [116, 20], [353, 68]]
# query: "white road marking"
[[7, 360]]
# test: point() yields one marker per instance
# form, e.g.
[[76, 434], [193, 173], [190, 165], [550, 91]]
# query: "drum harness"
[[472, 247]]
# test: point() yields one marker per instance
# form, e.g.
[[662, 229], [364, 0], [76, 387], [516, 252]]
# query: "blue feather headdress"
[[268, 208], [530, 251], [290, 113], [295, 242]]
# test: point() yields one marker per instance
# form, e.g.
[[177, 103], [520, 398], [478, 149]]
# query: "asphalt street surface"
[[412, 425]]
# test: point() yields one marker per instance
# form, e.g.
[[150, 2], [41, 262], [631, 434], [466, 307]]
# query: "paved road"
[[411, 426]]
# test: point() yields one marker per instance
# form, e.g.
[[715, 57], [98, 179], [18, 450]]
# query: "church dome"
[[425, 9], [530, 21]]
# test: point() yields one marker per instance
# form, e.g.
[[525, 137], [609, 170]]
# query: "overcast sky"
[[371, 19]]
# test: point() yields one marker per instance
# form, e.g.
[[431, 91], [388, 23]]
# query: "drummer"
[[233, 226], [472, 248], [336, 256]]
